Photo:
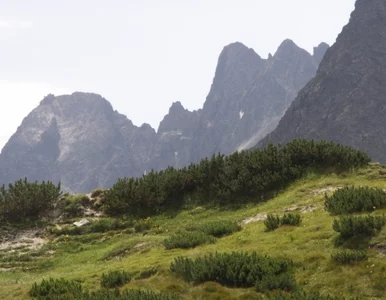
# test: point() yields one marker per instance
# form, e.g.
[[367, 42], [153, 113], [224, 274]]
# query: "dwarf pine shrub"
[[51, 288], [241, 176], [236, 269], [220, 228], [25, 200], [299, 295], [114, 279], [186, 240], [347, 257], [350, 226], [273, 222], [291, 219], [355, 199]]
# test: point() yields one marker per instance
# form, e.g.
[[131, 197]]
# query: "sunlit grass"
[[309, 246]]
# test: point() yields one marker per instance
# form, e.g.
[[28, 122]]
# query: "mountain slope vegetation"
[[134, 246]]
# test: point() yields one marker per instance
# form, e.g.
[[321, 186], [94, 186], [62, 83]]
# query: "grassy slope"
[[309, 246]]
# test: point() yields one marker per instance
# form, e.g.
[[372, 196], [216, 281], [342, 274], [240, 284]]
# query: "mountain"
[[346, 101], [79, 140], [247, 98], [82, 142]]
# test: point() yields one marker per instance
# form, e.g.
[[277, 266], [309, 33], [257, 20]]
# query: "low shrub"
[[186, 240], [355, 199], [220, 228], [291, 219], [97, 193], [115, 279], [237, 269], [126, 295], [142, 225], [347, 257], [50, 288], [24, 200], [298, 295], [61, 289], [272, 222], [350, 226]]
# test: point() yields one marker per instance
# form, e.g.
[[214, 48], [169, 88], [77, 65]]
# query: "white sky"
[[141, 55]]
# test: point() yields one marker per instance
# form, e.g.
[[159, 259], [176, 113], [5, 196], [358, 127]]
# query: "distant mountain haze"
[[346, 101], [82, 142]]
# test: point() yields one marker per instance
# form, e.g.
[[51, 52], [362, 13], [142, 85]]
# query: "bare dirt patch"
[[262, 216], [322, 191], [28, 239]]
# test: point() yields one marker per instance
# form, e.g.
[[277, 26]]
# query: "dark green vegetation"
[[237, 269], [274, 221], [300, 295], [355, 200], [27, 200], [234, 258], [61, 289], [115, 279], [352, 226], [347, 257], [249, 176], [186, 240]]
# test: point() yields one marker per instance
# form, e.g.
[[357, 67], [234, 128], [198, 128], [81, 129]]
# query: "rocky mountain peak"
[[345, 102], [288, 49], [320, 51]]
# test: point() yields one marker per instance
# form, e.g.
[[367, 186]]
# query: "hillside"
[[345, 101], [62, 250]]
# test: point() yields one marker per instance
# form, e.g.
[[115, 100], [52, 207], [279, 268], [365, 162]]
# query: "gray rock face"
[[81, 141], [249, 95], [346, 101]]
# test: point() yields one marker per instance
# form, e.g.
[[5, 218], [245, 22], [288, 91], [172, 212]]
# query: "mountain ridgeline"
[[82, 142], [346, 101]]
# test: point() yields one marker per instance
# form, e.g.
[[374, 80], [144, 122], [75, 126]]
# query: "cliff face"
[[249, 95], [346, 101], [81, 141]]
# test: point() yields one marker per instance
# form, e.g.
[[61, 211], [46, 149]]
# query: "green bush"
[[97, 193], [237, 269], [127, 295], [291, 219], [219, 228], [115, 279], [186, 240], [241, 176], [347, 257], [352, 199], [61, 289], [272, 222], [50, 288], [25, 200], [299, 295], [142, 225], [350, 226]]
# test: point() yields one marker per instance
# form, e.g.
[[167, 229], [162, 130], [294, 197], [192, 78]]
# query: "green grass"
[[309, 246]]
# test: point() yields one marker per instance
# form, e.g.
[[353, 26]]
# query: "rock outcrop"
[[78, 140], [346, 101]]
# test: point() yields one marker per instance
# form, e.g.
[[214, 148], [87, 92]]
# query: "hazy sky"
[[141, 55]]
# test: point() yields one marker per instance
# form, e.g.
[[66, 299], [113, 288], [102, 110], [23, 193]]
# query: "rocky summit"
[[82, 142], [346, 101]]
